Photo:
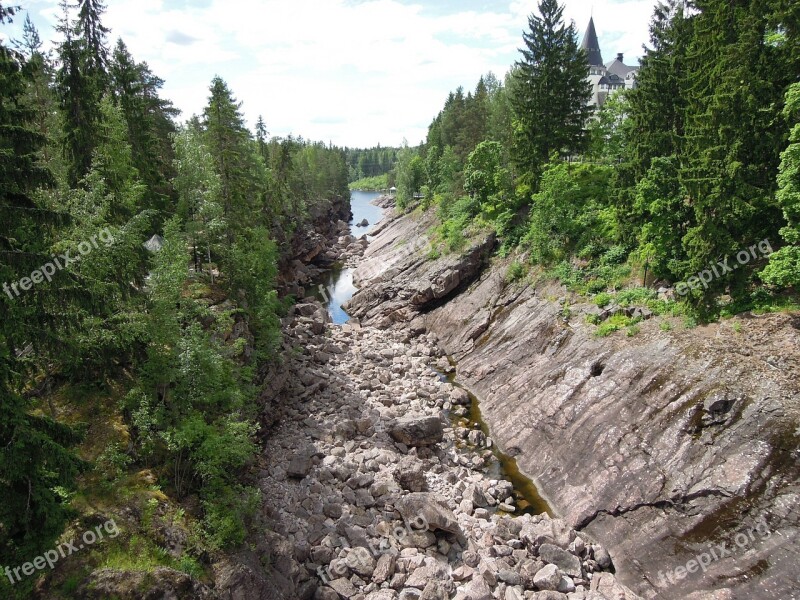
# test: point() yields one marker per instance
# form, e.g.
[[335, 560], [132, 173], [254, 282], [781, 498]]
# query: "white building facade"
[[608, 77]]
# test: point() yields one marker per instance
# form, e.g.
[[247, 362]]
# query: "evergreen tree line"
[[370, 162], [696, 164], [89, 146]]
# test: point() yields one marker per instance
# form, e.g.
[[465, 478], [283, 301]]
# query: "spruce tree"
[[81, 82], [228, 141], [733, 138], [150, 127], [34, 460], [551, 94], [657, 105]]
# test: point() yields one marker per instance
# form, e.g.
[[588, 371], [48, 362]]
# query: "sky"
[[355, 73]]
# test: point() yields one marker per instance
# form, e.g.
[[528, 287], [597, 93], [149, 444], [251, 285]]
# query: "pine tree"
[[733, 138], [150, 126], [551, 94], [227, 140], [81, 83], [34, 459]]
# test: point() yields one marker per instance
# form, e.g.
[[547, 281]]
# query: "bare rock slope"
[[678, 450]]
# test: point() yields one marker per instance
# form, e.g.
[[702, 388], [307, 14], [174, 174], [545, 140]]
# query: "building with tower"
[[605, 77]]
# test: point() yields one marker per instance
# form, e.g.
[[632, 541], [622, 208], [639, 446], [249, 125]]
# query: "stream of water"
[[337, 283], [338, 287]]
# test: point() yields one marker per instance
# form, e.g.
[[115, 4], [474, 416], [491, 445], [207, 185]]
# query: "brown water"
[[527, 497]]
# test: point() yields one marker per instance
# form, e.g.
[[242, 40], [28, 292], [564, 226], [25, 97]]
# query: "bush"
[[603, 299], [515, 272]]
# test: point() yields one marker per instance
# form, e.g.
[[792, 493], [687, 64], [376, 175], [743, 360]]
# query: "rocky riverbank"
[[665, 446], [373, 494]]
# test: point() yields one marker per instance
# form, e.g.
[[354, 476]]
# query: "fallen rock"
[[547, 578], [410, 474], [429, 508], [562, 559], [417, 431]]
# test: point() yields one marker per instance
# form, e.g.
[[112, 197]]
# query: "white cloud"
[[355, 73]]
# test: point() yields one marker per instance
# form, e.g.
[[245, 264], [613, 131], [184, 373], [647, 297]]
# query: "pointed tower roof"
[[592, 45]]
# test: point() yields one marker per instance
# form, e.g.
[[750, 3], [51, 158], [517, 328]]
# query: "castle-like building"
[[608, 77]]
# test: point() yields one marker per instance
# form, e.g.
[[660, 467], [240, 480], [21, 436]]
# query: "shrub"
[[516, 271], [603, 299]]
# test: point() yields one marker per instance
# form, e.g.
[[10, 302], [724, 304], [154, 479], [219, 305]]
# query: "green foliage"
[[551, 94], [410, 175], [456, 218], [37, 469], [569, 215], [375, 183], [783, 269], [603, 299], [616, 323], [191, 407], [199, 191], [611, 129], [487, 179], [516, 271], [369, 165]]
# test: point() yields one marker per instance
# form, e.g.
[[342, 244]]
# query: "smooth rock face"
[[643, 443]]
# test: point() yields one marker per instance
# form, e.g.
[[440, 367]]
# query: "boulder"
[[429, 509], [547, 578], [566, 562], [417, 431], [410, 474]]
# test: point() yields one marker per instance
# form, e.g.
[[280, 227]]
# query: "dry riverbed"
[[379, 497]]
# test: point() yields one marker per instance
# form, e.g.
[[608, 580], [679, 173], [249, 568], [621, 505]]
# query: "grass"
[[760, 302]]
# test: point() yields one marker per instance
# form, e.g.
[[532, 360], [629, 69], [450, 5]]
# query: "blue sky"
[[353, 72]]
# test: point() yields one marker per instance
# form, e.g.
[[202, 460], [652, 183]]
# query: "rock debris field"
[[378, 496]]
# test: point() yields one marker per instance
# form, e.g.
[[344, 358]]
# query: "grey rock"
[[343, 587], [547, 578], [326, 593], [429, 508], [299, 466], [417, 431], [601, 557], [549, 595], [384, 568], [566, 562], [477, 589], [410, 474]]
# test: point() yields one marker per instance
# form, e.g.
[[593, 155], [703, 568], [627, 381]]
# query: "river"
[[338, 282]]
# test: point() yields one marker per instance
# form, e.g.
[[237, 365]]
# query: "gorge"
[[658, 465]]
